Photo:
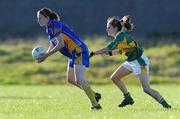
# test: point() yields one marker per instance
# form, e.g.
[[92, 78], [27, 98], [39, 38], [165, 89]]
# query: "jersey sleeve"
[[57, 28], [112, 45]]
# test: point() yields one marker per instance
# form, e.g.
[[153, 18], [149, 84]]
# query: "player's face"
[[42, 20], [111, 31]]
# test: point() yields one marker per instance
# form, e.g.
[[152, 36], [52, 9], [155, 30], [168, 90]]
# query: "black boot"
[[97, 96], [126, 101], [97, 107]]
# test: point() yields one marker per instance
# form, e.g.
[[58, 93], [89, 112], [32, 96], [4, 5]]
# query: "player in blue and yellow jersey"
[[63, 39], [136, 61]]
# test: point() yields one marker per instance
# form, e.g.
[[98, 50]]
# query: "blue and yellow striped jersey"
[[71, 40]]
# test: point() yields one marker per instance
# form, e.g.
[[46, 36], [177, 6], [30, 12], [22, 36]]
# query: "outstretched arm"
[[106, 51], [100, 51]]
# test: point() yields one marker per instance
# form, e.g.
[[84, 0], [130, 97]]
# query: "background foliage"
[[18, 66]]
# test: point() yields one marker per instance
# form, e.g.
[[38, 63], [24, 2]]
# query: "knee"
[[147, 90], [114, 78], [70, 80], [83, 83]]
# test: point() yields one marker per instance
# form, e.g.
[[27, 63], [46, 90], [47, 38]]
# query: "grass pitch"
[[68, 102]]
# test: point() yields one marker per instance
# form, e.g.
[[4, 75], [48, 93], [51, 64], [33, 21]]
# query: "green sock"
[[126, 95], [163, 103]]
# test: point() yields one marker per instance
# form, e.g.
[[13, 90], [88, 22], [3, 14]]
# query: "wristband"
[[91, 54], [110, 53]]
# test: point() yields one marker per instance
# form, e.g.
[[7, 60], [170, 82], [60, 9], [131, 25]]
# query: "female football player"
[[136, 61], [63, 39]]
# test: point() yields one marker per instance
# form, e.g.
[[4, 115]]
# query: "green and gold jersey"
[[127, 46]]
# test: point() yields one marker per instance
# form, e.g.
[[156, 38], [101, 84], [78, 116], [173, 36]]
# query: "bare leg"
[[153, 93], [71, 77], [147, 89], [116, 78], [79, 77]]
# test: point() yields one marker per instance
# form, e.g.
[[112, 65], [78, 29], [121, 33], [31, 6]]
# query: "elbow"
[[60, 46]]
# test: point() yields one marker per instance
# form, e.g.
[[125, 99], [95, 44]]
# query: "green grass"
[[32, 98], [68, 102]]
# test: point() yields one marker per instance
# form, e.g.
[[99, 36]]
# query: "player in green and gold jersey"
[[136, 61]]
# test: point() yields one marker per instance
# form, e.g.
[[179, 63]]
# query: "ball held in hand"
[[37, 52]]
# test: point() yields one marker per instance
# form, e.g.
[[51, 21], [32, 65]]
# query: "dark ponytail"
[[124, 24], [54, 16], [49, 13]]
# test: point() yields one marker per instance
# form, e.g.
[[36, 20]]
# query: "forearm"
[[55, 49], [50, 47], [59, 45], [113, 52], [101, 51]]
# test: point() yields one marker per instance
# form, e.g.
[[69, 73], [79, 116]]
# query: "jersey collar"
[[118, 33], [49, 23]]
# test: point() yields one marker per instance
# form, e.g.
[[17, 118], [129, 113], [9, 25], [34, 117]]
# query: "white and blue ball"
[[37, 52]]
